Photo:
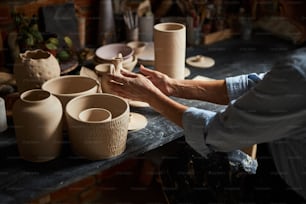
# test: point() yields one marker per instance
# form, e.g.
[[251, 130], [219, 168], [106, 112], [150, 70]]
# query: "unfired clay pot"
[[98, 140], [67, 87], [170, 49], [37, 117], [33, 68]]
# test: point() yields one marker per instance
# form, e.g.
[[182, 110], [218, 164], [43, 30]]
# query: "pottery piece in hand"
[[116, 70]]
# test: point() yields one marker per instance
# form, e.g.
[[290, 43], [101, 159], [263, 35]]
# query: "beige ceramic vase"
[[37, 117], [33, 68], [170, 49], [96, 139]]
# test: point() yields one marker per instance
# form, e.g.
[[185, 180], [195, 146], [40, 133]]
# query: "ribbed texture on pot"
[[98, 140]]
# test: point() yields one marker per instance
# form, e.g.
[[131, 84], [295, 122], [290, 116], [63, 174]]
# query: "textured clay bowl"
[[99, 140], [110, 51], [67, 87]]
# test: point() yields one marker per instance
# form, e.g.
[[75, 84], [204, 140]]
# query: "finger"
[[125, 71], [117, 78], [129, 74], [146, 71]]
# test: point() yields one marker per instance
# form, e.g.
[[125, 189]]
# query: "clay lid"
[[137, 121], [200, 61]]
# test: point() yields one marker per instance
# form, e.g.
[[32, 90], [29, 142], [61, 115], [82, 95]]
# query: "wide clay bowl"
[[67, 87], [110, 51], [98, 140]]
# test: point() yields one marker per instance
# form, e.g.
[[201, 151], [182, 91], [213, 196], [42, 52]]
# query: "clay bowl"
[[137, 46], [110, 51], [98, 140], [67, 87]]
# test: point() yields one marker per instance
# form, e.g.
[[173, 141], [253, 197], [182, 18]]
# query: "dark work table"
[[22, 181]]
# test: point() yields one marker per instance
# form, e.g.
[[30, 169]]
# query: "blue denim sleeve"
[[195, 122], [238, 85]]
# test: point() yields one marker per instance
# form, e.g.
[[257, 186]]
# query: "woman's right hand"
[[160, 80]]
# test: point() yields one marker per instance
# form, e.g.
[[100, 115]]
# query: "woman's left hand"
[[133, 86]]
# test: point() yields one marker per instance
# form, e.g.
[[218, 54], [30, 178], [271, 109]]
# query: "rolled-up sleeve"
[[238, 85], [260, 113], [195, 122]]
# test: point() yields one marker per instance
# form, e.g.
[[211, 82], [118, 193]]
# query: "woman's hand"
[[160, 80], [133, 86], [147, 87]]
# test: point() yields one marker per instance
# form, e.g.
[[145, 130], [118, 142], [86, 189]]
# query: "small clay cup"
[[95, 115]]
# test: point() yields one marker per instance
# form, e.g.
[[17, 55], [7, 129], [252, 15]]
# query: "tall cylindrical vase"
[[37, 117], [106, 27], [170, 49]]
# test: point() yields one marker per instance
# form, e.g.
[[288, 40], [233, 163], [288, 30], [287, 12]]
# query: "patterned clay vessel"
[[37, 117], [33, 68], [97, 140]]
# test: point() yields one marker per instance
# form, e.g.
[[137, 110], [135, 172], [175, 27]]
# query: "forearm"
[[169, 108], [214, 91]]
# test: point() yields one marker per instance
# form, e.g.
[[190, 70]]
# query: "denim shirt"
[[264, 108]]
